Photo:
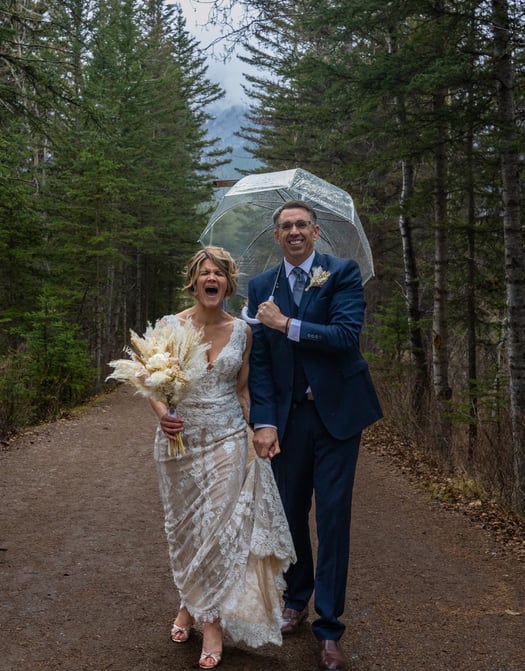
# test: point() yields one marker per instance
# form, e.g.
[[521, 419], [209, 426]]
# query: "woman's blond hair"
[[222, 259]]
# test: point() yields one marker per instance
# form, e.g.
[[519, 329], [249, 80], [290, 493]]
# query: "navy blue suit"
[[319, 439]]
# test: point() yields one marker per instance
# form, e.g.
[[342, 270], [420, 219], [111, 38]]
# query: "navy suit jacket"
[[332, 316]]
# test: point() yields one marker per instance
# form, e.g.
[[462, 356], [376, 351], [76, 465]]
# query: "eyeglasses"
[[288, 225]]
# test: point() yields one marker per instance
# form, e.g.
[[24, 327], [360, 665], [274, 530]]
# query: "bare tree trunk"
[[139, 275], [440, 345], [418, 355], [513, 240], [417, 349], [440, 323], [471, 300], [99, 315]]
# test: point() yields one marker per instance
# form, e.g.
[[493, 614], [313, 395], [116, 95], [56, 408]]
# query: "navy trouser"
[[313, 462]]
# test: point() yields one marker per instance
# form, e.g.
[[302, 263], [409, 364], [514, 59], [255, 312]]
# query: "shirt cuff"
[[294, 331]]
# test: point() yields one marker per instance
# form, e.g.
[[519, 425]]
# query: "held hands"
[[266, 443]]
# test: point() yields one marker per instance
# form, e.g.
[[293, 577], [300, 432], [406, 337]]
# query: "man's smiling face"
[[296, 238]]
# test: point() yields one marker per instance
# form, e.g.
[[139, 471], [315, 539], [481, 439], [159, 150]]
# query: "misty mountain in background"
[[226, 122]]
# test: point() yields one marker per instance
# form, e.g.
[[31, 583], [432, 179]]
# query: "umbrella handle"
[[247, 318]]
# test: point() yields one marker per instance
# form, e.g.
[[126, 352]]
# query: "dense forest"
[[415, 108]]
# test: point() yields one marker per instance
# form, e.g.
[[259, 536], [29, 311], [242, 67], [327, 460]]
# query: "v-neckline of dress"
[[211, 364]]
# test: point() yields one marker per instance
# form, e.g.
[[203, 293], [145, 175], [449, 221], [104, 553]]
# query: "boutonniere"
[[318, 277]]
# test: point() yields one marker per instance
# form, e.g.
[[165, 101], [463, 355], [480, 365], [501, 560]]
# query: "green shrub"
[[16, 404], [55, 368]]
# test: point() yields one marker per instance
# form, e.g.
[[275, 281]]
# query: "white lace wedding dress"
[[228, 539]]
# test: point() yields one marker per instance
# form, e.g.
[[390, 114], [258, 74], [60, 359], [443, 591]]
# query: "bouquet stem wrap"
[[176, 446]]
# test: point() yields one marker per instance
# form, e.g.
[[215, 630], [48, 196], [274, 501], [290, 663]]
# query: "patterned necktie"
[[299, 284]]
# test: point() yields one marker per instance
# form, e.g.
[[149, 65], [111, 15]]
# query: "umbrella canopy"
[[242, 222]]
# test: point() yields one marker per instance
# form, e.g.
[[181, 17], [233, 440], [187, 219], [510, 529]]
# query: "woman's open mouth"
[[211, 291]]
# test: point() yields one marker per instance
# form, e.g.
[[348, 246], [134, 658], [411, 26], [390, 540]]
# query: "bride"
[[227, 534]]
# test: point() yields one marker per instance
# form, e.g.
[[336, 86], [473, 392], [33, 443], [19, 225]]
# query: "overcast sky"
[[229, 75]]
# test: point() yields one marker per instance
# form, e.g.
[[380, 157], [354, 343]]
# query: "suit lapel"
[[283, 295], [308, 295]]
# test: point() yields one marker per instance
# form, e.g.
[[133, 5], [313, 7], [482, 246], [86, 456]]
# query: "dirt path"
[[85, 585]]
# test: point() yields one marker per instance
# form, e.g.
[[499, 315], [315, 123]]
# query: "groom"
[[311, 396]]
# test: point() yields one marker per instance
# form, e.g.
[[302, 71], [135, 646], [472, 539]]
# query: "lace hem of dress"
[[256, 634], [250, 602]]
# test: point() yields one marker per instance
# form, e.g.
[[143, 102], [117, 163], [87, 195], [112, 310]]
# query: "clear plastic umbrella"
[[242, 222]]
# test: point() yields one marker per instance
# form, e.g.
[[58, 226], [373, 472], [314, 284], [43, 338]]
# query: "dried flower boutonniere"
[[318, 277]]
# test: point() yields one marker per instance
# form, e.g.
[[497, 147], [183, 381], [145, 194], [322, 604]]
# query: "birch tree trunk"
[[440, 339], [513, 240], [418, 355], [440, 324]]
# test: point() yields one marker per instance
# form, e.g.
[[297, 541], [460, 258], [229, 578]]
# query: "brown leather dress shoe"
[[292, 619], [331, 657]]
